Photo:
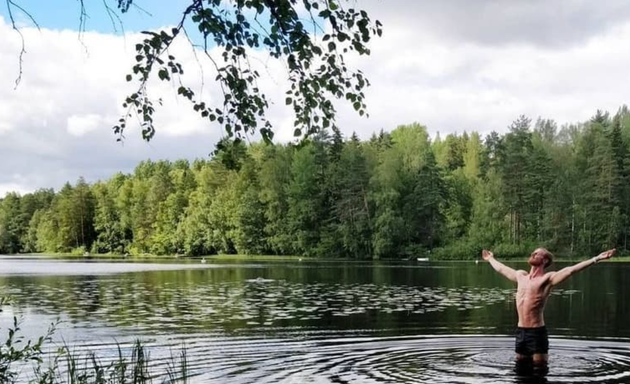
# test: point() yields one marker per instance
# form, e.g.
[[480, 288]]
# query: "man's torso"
[[531, 297]]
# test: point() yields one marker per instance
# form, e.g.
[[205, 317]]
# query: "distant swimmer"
[[533, 289]]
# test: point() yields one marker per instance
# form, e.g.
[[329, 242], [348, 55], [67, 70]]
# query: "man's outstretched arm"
[[498, 266], [563, 274]]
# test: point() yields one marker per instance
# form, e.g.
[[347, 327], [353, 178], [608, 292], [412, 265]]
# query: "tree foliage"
[[311, 38], [399, 194]]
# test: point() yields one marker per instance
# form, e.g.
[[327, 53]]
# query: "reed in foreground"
[[40, 362]]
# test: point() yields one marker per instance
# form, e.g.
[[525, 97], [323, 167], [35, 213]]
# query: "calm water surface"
[[328, 322]]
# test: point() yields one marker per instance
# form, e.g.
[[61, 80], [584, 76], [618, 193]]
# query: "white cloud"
[[80, 125], [13, 187], [57, 125], [449, 65], [549, 24], [455, 85], [13, 181]]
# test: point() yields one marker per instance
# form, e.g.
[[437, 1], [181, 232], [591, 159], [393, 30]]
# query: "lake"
[[324, 322]]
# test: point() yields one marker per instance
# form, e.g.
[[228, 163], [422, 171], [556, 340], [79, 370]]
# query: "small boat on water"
[[423, 259]]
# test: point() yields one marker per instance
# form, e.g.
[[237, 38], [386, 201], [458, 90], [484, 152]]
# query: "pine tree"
[[306, 197], [351, 208], [513, 165], [275, 176]]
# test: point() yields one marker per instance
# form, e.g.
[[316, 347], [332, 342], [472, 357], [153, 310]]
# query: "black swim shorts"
[[532, 340]]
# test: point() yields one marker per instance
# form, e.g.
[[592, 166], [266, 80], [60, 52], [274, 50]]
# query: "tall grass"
[[39, 362]]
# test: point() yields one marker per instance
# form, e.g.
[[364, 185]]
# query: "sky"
[[451, 65]]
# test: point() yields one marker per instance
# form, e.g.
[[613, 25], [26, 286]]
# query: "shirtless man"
[[533, 288]]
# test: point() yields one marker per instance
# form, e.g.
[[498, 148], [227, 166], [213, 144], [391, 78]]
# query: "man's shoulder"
[[547, 276], [520, 273]]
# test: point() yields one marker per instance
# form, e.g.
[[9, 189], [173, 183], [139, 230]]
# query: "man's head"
[[540, 257]]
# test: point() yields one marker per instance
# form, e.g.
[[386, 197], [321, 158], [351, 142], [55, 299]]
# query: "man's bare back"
[[533, 289]]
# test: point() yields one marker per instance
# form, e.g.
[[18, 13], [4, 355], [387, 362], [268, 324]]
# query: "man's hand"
[[506, 271], [563, 274], [486, 255], [606, 255]]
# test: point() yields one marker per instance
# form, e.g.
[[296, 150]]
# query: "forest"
[[398, 195]]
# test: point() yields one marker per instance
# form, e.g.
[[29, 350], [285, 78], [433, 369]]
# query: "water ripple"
[[370, 360]]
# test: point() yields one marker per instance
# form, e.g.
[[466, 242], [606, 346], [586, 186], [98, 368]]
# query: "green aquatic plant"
[[67, 365], [174, 374], [16, 351]]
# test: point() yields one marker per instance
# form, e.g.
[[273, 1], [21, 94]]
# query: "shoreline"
[[286, 258]]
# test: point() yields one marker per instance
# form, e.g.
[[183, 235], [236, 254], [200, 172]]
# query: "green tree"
[[538, 181], [488, 221], [351, 208], [424, 208], [10, 228], [472, 157], [178, 182], [450, 152], [69, 223], [306, 198], [514, 162], [48, 232], [223, 215], [31, 204], [196, 229], [275, 176], [249, 236], [405, 186], [110, 232], [600, 180]]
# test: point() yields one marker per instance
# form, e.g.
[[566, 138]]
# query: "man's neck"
[[536, 271]]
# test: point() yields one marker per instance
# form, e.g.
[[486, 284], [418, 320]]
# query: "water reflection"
[[527, 372], [329, 323], [250, 303]]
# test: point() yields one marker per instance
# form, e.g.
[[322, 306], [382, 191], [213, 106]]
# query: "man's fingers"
[[608, 254]]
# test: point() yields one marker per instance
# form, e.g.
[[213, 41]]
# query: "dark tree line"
[[399, 194]]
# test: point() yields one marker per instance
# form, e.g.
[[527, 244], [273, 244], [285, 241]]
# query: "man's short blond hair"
[[548, 257]]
